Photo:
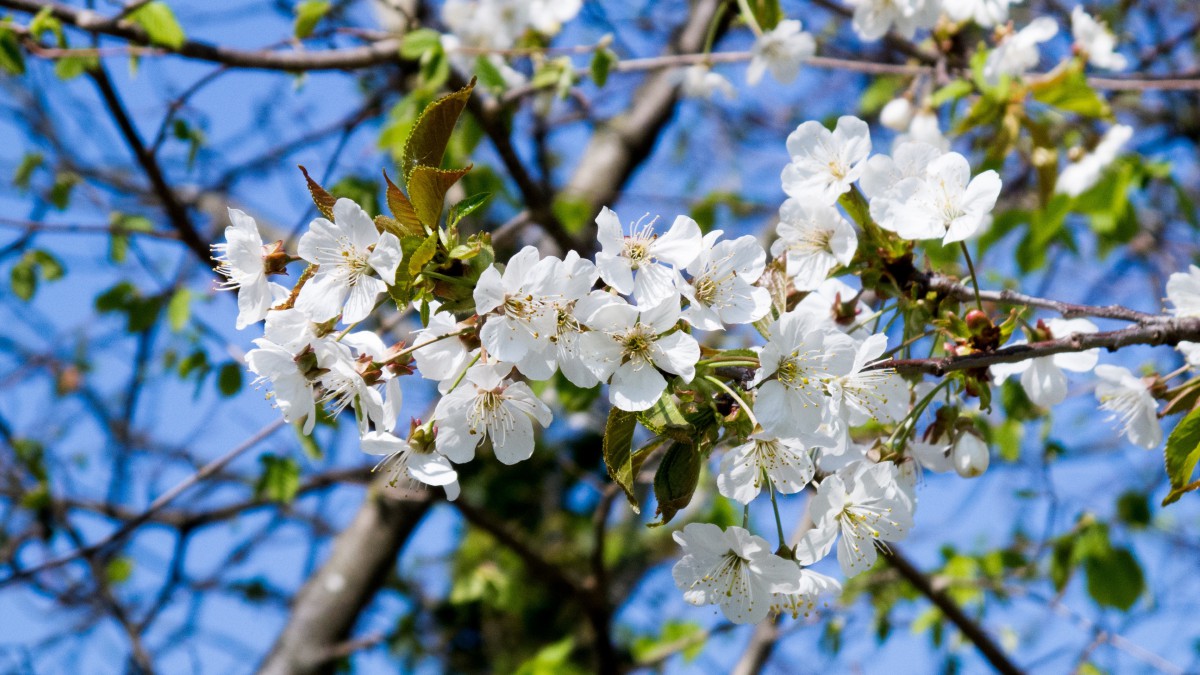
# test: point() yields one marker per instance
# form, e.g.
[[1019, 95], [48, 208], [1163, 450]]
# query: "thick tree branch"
[[1165, 332], [327, 607], [965, 624], [953, 288], [383, 51]]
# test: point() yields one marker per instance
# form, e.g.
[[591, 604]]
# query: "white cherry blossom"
[[864, 503], [486, 406], [630, 345], [1183, 290], [702, 82], [813, 586], [986, 13], [838, 303], [814, 239], [924, 128], [292, 390], [524, 319], [1095, 41], [241, 261], [1082, 174], [733, 569], [440, 358], [785, 461], [793, 369], [406, 461], [947, 203], [1129, 399], [644, 264], [884, 173], [572, 279], [721, 290], [858, 395], [1042, 377], [781, 50], [825, 163], [350, 252], [874, 18], [1018, 53]]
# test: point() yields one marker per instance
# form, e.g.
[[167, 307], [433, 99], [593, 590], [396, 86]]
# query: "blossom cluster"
[[633, 318]]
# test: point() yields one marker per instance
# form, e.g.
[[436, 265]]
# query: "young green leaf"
[[427, 188], [431, 133], [1182, 454], [12, 60], [279, 480], [402, 209], [179, 309], [603, 59], [466, 207], [160, 24], [618, 452], [308, 14], [676, 480]]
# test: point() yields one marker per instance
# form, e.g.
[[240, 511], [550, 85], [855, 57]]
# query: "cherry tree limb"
[[949, 286], [1165, 332]]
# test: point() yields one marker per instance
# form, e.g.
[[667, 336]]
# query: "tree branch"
[[177, 213], [967, 626], [1165, 332]]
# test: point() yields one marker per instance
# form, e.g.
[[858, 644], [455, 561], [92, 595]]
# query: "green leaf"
[[663, 416], [603, 60], [1069, 90], [35, 264], [422, 256], [122, 224], [46, 21], [179, 309], [118, 570], [12, 60], [320, 196], [229, 378], [553, 659], [60, 192], [420, 42], [427, 143], [466, 207], [618, 452], [675, 634], [24, 173], [279, 480], [1114, 578], [308, 14], [157, 19], [1133, 509], [676, 480], [489, 75], [71, 67], [1182, 453], [953, 91], [402, 210], [767, 13], [427, 188]]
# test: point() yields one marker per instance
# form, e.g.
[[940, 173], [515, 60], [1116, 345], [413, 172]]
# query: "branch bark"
[[969, 628], [327, 607], [1164, 332]]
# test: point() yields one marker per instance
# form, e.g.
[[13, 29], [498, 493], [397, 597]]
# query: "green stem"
[[734, 394], [464, 372], [748, 15], [974, 279], [775, 508], [910, 420], [713, 27], [405, 352], [746, 517]]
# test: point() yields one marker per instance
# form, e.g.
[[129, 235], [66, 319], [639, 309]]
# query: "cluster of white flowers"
[[629, 320]]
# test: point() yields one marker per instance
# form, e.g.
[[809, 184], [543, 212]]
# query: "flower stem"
[[910, 420], [405, 352], [974, 279], [741, 403], [464, 372], [775, 508], [748, 15]]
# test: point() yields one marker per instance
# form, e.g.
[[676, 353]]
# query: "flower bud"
[[970, 455], [897, 114]]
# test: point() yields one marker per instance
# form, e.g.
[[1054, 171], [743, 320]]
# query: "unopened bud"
[[978, 321], [897, 114], [275, 259], [970, 455], [421, 436]]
